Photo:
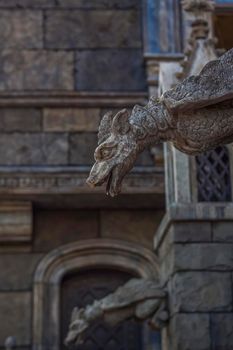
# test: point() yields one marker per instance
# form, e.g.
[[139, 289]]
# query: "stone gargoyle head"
[[116, 152], [77, 327]]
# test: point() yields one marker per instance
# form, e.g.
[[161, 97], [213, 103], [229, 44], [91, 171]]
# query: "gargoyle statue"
[[196, 116], [139, 298]]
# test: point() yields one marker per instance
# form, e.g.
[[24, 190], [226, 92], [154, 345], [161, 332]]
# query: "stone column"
[[195, 248], [194, 242]]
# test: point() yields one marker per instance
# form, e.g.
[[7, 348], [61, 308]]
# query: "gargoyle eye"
[[106, 152]]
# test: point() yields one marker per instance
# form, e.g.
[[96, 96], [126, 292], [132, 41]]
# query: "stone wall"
[[52, 229], [195, 248], [63, 64], [71, 45]]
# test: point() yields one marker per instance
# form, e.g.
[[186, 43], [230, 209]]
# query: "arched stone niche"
[[74, 257]]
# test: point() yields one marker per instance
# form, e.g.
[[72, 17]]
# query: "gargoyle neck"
[[150, 123]]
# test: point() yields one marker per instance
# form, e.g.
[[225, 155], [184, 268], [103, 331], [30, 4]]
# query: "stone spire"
[[200, 41]]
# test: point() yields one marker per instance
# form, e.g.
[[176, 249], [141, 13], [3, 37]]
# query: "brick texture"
[[92, 29], [33, 149], [36, 70], [71, 119], [20, 119], [114, 70], [21, 29]]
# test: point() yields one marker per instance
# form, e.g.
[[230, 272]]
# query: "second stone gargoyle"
[[196, 116], [142, 299]]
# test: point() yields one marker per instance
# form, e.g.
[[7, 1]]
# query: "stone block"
[[222, 331], [21, 29], [36, 70], [26, 3], [190, 332], [192, 231], [223, 231], [203, 256], [200, 292], [132, 225], [20, 119], [183, 232], [110, 70], [82, 147], [15, 221], [93, 29], [15, 311], [71, 119], [100, 4], [33, 149], [66, 226], [17, 271]]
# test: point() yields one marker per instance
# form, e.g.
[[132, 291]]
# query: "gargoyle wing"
[[214, 84]]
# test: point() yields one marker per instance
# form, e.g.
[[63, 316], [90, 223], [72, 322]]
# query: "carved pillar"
[[194, 242]]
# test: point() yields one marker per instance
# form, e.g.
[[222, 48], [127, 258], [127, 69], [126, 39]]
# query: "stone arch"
[[77, 256]]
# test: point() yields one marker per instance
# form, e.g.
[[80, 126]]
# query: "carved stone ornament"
[[196, 116], [200, 5], [142, 299]]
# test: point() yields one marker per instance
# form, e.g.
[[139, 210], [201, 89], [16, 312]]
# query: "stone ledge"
[[71, 99], [190, 212], [71, 180]]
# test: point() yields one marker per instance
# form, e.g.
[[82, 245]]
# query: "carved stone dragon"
[[141, 299], [196, 116]]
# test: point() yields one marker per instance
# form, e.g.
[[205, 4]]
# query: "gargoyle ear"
[[105, 127], [121, 123]]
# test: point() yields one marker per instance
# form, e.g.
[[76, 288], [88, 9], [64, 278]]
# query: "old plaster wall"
[[47, 48]]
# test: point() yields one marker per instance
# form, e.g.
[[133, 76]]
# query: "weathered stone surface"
[[27, 3], [17, 271], [136, 226], [203, 256], [222, 331], [223, 231], [21, 29], [36, 70], [15, 221], [164, 120], [193, 231], [17, 307], [103, 4], [20, 119], [66, 226], [104, 70], [190, 332], [185, 232], [37, 149], [93, 29], [140, 299], [82, 146], [200, 292], [71, 119]]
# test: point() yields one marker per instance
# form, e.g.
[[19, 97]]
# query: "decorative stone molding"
[[75, 257], [70, 99], [15, 222], [71, 179]]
